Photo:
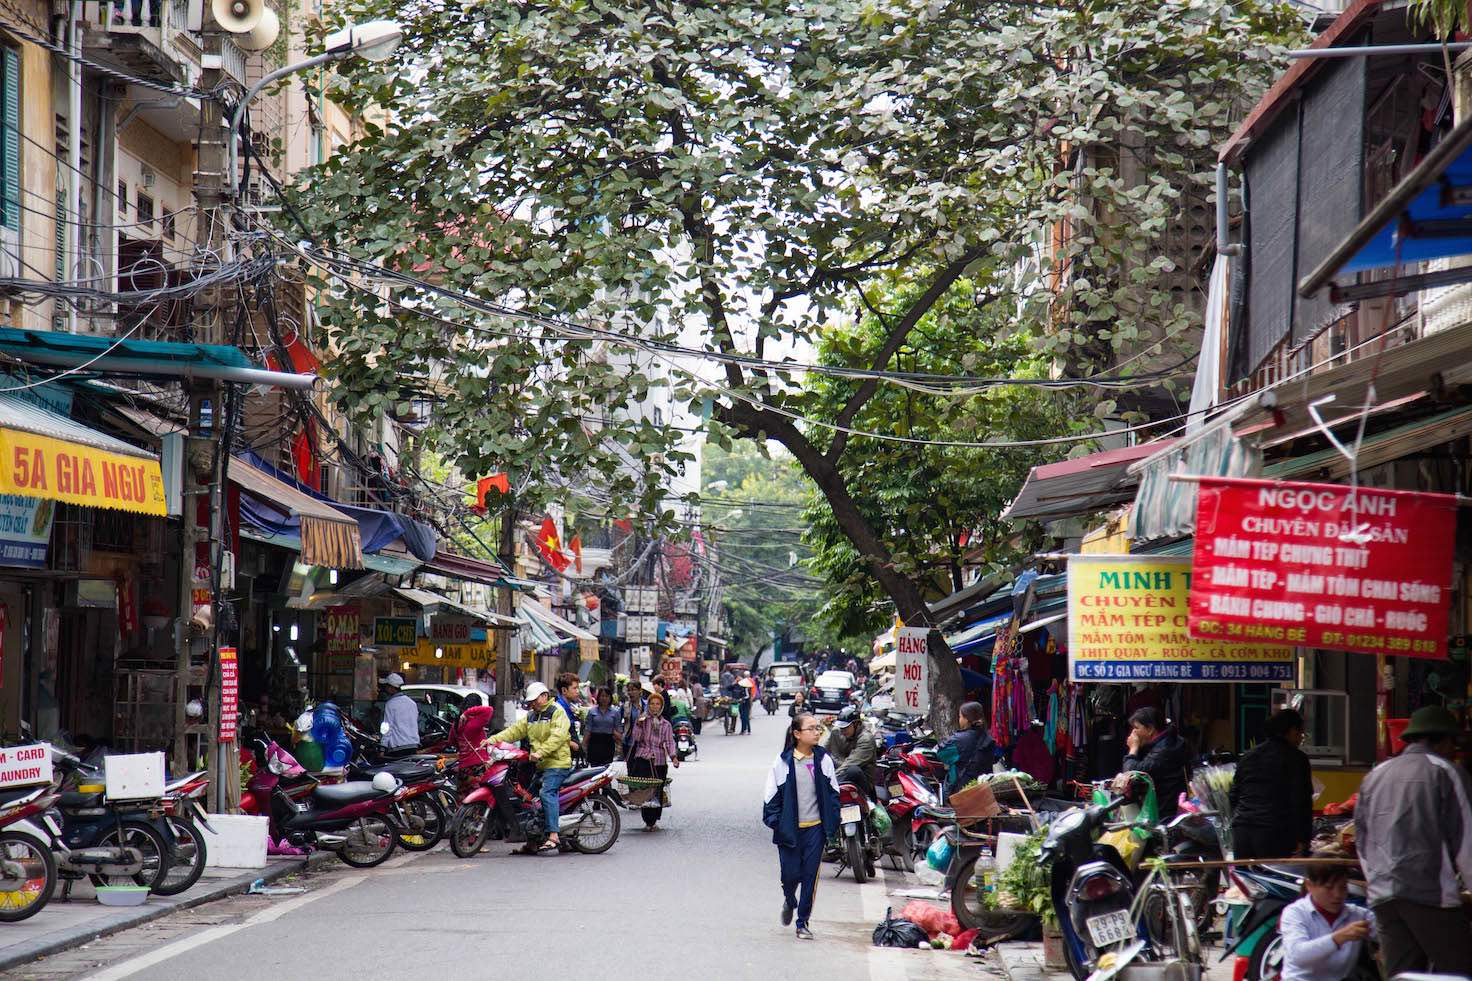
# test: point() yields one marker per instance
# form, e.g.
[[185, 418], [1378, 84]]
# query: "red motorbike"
[[27, 867], [353, 819], [503, 807], [907, 782]]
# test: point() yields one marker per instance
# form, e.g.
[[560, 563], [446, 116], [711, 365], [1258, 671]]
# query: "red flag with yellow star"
[[550, 545]]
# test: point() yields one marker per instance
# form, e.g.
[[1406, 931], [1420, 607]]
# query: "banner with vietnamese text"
[[1318, 566], [1127, 621]]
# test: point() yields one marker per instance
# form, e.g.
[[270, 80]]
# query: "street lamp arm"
[[255, 90]]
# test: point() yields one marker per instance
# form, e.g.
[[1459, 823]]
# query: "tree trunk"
[[945, 675]]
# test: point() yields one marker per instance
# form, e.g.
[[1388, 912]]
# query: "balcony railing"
[[170, 30]]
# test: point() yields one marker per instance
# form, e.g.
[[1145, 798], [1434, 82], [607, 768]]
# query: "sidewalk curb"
[[198, 896]]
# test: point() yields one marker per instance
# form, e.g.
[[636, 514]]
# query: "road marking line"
[[885, 963], [128, 968]]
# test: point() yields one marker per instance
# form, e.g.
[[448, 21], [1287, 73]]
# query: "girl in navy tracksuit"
[[800, 805]]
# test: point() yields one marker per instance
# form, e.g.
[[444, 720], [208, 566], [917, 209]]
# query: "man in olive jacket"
[[547, 727]]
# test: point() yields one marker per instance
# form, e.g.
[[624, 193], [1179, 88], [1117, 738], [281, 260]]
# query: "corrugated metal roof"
[[28, 418], [1082, 486]]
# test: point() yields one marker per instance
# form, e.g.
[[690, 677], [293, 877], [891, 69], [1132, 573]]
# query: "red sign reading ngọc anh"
[[1315, 566]]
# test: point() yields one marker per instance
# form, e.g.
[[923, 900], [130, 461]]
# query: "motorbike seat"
[[72, 799], [939, 813], [587, 773], [342, 794], [409, 771]]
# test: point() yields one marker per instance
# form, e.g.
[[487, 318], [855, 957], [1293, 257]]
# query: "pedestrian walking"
[[662, 689], [569, 693], [746, 688], [546, 727], [634, 701], [701, 705], [1413, 830], [799, 704], [653, 750], [800, 805], [1323, 936], [1272, 794], [604, 725]]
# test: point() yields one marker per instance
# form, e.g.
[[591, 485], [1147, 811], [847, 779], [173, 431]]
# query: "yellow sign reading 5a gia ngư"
[[41, 466]]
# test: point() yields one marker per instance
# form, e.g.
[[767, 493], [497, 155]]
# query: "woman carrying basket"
[[652, 750]]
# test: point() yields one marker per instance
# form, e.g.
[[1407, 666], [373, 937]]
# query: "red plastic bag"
[[932, 919], [963, 940]]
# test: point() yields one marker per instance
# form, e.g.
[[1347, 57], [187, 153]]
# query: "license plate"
[[850, 813], [1110, 928], [895, 790]]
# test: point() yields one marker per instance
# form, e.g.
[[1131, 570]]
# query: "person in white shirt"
[[401, 716], [1323, 936]]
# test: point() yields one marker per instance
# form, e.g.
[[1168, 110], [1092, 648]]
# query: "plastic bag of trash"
[[893, 932]]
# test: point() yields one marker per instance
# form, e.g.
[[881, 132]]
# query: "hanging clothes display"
[[1012, 695]]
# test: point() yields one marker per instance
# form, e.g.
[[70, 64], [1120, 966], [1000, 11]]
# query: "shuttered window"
[[10, 138]]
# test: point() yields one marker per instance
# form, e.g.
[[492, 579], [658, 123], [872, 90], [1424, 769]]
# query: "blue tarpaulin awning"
[[1426, 216]]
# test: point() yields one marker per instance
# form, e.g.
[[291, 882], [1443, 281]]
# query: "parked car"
[[785, 678], [832, 690], [439, 706]]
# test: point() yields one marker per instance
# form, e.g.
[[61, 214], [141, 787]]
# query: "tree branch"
[[892, 343]]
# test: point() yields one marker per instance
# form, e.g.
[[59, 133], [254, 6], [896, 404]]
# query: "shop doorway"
[[85, 656]]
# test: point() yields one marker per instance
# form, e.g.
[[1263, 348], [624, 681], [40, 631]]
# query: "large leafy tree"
[[937, 507], [733, 177]]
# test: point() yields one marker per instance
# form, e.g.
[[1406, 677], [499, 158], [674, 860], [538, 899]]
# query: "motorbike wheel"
[[136, 834], [857, 860], [423, 821], [186, 859], [601, 810], [470, 829], [1266, 963], [902, 846], [923, 837], [376, 840], [18, 904]]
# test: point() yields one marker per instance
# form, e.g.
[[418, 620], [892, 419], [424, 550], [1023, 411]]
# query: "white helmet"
[[304, 723], [385, 782], [534, 691]]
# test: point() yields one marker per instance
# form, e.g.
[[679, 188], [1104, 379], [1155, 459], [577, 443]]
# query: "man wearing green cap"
[[1413, 829]]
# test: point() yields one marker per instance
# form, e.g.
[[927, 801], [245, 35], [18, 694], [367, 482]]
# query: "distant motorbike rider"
[[546, 727], [853, 749]]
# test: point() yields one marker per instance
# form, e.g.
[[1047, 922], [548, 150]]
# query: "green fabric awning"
[[19, 342]]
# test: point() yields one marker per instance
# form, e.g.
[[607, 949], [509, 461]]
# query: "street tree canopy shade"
[[737, 177]]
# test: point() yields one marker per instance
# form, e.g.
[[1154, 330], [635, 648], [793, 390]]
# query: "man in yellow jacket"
[[547, 727]]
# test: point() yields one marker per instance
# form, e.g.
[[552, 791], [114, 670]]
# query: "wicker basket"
[[645, 792]]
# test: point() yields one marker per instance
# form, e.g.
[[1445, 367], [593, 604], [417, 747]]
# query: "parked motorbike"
[[27, 868], [1271, 889], [183, 816], [113, 843], [353, 819], [905, 787], [502, 807], [420, 811], [1092, 887], [858, 847], [685, 739]]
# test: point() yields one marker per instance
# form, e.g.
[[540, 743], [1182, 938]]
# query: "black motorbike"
[[1092, 887], [769, 701], [113, 843]]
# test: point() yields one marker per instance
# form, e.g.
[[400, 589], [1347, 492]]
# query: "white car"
[[784, 678]]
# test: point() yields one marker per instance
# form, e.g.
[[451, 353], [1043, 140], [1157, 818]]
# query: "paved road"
[[699, 900]]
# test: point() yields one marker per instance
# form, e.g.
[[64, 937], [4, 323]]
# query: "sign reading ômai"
[[1128, 618], [1368, 570], [39, 466]]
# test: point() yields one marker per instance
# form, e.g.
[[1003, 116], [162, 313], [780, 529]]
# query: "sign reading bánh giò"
[[1324, 565], [1128, 621]]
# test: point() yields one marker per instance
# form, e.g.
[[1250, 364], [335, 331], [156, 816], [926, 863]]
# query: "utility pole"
[[506, 607], [211, 200]]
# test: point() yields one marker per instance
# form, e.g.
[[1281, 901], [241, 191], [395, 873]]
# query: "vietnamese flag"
[[550, 545], [575, 546], [484, 485]]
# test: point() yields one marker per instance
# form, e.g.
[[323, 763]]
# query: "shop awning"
[[432, 602], [959, 601], [566, 627], [974, 638], [148, 359], [1330, 464], [1082, 486], [466, 568], [327, 536], [1166, 508], [47, 455], [1426, 216]]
